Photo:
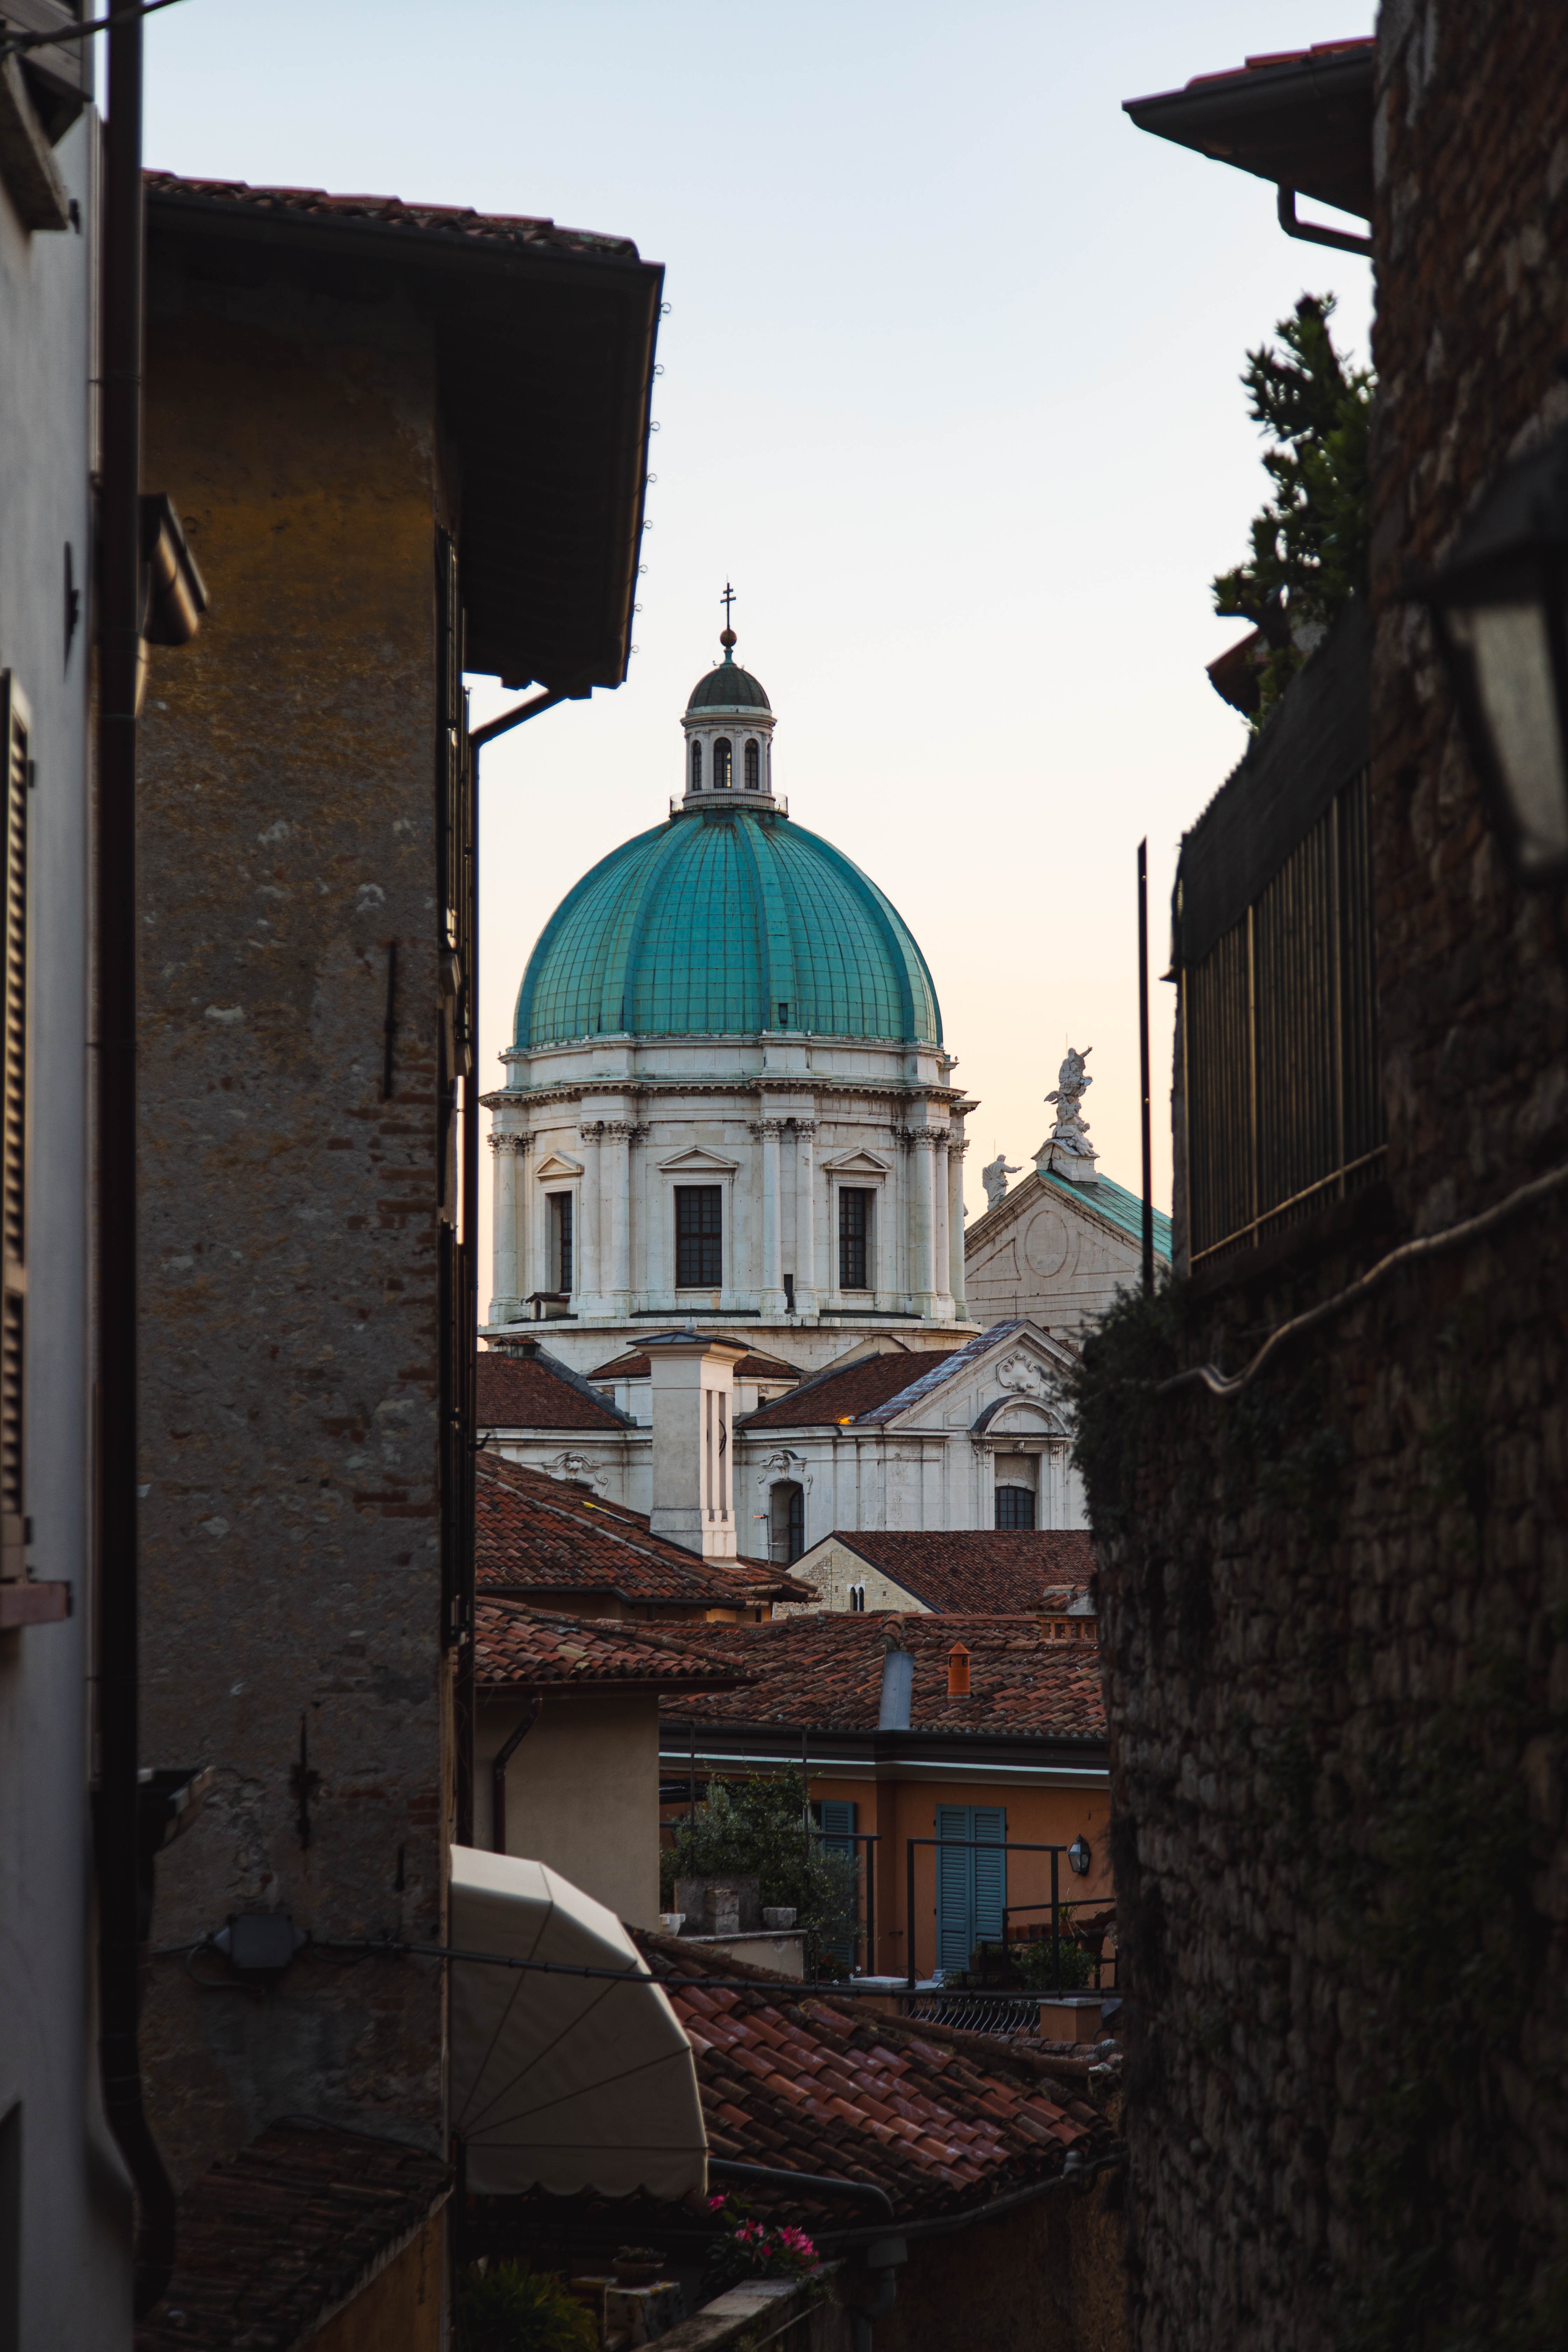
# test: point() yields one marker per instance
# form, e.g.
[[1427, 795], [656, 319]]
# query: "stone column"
[[804, 1217], [770, 1275], [588, 1282], [956, 1148], [615, 1177], [923, 1142], [939, 1215], [506, 1306]]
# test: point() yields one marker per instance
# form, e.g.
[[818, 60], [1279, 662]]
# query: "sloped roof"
[[1115, 1204], [520, 229], [1301, 118], [819, 2085], [824, 1671], [533, 1390], [876, 1389], [535, 1536], [635, 1365], [272, 2240], [982, 1571], [519, 1648]]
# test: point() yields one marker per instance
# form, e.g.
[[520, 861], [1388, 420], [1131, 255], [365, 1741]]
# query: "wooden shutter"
[[14, 724], [954, 1882], [837, 1816], [989, 1874]]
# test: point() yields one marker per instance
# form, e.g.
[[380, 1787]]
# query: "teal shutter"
[[836, 1817], [989, 1874]]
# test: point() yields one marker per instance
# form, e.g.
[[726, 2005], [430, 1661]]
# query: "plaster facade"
[[1058, 1247], [65, 2198], [581, 1792]]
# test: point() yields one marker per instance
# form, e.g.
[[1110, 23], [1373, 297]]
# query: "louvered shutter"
[[14, 1135], [989, 1874], [954, 1884], [836, 1818]]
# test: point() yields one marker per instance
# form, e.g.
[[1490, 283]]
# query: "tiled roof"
[[459, 221], [1000, 1571], [520, 1648], [534, 1536], [273, 2240], [1359, 41], [825, 1673], [635, 1366], [534, 1389], [817, 2085], [876, 1389]]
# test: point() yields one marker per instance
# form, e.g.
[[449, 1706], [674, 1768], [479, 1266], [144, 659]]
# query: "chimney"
[[693, 1390], [958, 1672], [898, 1688]]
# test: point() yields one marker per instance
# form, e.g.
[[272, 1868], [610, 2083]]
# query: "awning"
[[558, 2081]]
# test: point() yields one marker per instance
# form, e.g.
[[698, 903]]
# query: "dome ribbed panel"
[[704, 926]]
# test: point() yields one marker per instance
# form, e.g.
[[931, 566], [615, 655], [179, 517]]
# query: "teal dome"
[[722, 924], [728, 687]]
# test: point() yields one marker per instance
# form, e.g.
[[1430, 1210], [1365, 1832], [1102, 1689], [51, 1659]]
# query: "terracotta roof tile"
[[517, 1648], [535, 1536], [457, 221], [826, 1671], [530, 1389], [981, 1571], [938, 2123], [274, 2239], [635, 1365], [876, 1389]]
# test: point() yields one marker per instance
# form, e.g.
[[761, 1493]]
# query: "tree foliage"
[[756, 1828], [1310, 543], [507, 2308]]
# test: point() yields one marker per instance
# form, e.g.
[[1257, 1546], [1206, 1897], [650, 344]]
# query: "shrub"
[[507, 2308], [754, 1828]]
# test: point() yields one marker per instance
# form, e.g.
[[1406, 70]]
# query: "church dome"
[[725, 922], [728, 687]]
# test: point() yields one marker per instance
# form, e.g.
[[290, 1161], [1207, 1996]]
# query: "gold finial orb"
[[726, 636]]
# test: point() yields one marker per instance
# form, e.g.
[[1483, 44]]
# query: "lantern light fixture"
[[1499, 605], [1078, 1854]]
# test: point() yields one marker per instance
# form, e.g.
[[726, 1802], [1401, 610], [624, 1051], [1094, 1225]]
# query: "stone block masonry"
[[291, 1584], [1336, 1610]]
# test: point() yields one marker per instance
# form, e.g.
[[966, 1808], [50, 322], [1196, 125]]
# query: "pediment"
[[856, 1163], [556, 1166], [697, 1161]]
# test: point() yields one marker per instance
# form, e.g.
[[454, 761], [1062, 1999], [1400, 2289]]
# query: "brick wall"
[[1335, 1612], [289, 1273]]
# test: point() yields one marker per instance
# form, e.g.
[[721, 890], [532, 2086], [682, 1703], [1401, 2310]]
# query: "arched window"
[[753, 766], [696, 764], [856, 1597], [786, 1522], [1015, 1506], [723, 758]]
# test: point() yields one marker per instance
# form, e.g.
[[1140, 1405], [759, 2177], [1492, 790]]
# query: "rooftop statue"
[[1073, 1082], [994, 1179]]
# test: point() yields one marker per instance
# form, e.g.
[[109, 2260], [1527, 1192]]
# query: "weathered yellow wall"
[[288, 1259], [582, 1794], [1048, 2278], [400, 2310]]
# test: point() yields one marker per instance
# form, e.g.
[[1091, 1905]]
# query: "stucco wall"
[[290, 1559], [400, 2310], [72, 2283], [1037, 1253], [582, 1794]]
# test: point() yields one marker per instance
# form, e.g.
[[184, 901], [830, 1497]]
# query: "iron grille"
[[1284, 1109]]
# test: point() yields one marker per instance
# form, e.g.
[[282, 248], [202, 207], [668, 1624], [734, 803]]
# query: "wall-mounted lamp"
[[1500, 604], [1079, 1855]]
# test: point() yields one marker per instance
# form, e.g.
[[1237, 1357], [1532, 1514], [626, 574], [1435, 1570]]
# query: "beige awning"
[[557, 2082]]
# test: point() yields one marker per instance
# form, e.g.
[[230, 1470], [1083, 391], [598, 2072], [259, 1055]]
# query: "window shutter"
[[989, 1874], [14, 1135], [837, 1819], [955, 1880]]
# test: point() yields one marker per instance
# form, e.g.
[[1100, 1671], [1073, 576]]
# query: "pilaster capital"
[[805, 1127], [929, 1138], [768, 1129], [622, 1130], [591, 1130], [503, 1142], [956, 1147]]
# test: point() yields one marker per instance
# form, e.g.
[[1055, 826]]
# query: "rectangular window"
[[14, 1111], [561, 1241], [699, 1236], [1015, 1506], [854, 1238], [970, 1881]]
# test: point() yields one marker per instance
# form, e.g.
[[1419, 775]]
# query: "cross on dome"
[[729, 726]]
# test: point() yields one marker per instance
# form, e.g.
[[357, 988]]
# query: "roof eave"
[[1304, 124]]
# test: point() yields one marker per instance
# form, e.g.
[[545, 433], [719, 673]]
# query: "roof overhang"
[[1022, 1760], [1302, 122], [544, 363]]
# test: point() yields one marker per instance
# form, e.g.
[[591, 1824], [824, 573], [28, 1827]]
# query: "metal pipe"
[[1144, 1063], [910, 1908], [1340, 239], [1056, 1920], [119, 1865], [503, 1756]]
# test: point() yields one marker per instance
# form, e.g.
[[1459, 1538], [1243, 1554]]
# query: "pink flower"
[[717, 2204]]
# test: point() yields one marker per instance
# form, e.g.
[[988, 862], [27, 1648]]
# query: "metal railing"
[[985, 1845], [1283, 1105]]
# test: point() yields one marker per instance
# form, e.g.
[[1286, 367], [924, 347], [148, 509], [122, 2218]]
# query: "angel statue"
[[1073, 1081], [994, 1180]]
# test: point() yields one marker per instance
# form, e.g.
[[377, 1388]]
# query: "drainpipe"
[[498, 1775], [119, 1843], [883, 2255]]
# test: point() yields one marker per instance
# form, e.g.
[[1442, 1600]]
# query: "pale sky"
[[949, 393]]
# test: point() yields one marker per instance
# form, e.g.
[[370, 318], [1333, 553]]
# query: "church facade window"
[[753, 766], [561, 1241], [696, 764], [1015, 1506], [786, 1522], [857, 1597], [723, 762], [854, 1238], [699, 1236]]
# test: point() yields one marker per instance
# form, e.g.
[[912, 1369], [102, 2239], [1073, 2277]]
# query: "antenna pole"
[[1144, 1063]]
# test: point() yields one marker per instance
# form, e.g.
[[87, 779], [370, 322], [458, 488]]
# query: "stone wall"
[[291, 1588], [1336, 1610]]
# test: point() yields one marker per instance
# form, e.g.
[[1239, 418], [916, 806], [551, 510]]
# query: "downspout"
[[883, 2255], [498, 1774], [119, 1846], [1309, 233]]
